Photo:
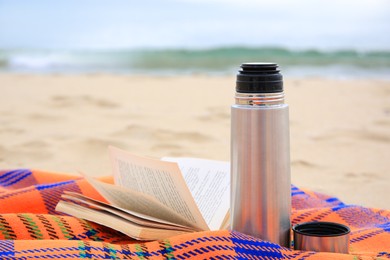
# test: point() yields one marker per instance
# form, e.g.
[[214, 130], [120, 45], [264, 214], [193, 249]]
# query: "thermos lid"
[[259, 77], [321, 237], [321, 229]]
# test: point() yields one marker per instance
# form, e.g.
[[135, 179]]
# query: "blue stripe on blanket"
[[7, 249], [12, 177]]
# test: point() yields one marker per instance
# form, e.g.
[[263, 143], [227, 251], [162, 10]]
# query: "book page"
[[209, 183], [116, 222], [159, 179], [139, 202], [131, 216]]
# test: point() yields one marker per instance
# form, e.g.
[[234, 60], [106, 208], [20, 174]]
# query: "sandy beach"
[[340, 129]]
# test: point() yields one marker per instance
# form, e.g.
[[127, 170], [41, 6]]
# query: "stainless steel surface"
[[259, 99], [336, 243], [260, 169]]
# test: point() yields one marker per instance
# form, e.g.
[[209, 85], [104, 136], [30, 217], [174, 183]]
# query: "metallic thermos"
[[260, 155]]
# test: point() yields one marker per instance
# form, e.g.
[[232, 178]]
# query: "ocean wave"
[[177, 61]]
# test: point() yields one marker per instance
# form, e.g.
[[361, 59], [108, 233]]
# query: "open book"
[[156, 199]]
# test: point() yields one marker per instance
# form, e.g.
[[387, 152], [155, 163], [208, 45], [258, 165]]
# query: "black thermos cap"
[[259, 77]]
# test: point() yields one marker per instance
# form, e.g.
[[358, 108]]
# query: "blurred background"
[[310, 38]]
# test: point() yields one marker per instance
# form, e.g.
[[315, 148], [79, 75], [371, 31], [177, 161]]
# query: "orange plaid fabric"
[[31, 228]]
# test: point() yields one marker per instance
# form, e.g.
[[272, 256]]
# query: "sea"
[[340, 64]]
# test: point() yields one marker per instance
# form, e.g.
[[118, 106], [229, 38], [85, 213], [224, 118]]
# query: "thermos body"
[[260, 155], [261, 185]]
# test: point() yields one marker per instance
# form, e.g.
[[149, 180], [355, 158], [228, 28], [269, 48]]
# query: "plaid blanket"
[[31, 228]]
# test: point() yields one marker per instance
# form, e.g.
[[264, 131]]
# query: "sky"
[[124, 24]]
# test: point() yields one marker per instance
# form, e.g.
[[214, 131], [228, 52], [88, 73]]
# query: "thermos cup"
[[321, 237], [260, 155]]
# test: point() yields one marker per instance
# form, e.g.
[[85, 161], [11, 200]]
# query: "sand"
[[340, 129]]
